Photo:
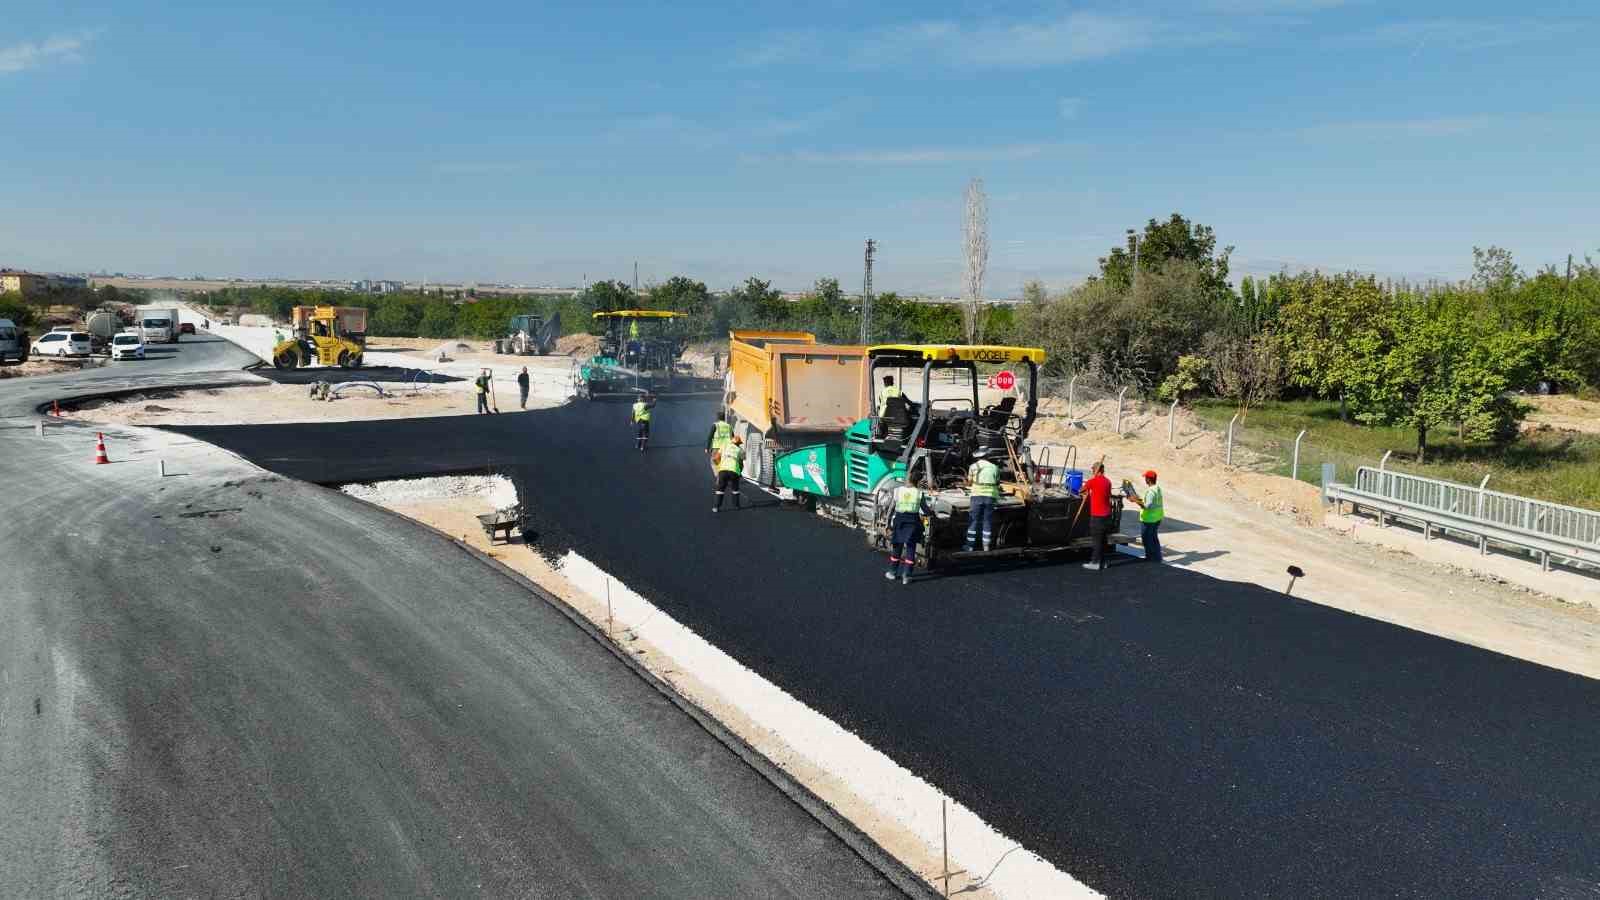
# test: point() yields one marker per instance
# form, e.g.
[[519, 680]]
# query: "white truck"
[[158, 324]]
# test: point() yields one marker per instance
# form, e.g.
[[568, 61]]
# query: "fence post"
[[1294, 467], [1172, 422], [1118, 427], [1481, 485], [1230, 438], [1072, 387]]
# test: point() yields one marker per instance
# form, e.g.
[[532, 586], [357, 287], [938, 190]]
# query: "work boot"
[[889, 575], [1092, 565], [905, 579], [717, 508]]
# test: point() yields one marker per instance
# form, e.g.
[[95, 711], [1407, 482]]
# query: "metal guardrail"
[[1552, 520], [1545, 529]]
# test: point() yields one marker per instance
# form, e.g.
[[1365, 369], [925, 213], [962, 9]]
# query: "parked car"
[[127, 345], [13, 342], [186, 328], [62, 343]]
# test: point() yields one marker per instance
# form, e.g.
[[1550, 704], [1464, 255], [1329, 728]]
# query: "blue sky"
[[545, 143]]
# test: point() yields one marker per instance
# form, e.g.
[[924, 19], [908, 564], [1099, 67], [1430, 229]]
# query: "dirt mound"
[[579, 345]]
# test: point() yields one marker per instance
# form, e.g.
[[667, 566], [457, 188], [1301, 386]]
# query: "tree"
[[1320, 322], [1246, 370], [1493, 269], [682, 295], [1175, 239], [1430, 362]]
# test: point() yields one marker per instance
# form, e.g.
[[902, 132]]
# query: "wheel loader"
[[950, 403], [326, 335]]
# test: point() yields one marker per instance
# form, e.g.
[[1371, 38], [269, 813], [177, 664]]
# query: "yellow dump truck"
[[784, 390]]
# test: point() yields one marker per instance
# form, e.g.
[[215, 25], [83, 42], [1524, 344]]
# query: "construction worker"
[[730, 468], [721, 431], [983, 480], [522, 386], [910, 505], [481, 383], [1097, 493], [889, 390], [1152, 509], [641, 419]]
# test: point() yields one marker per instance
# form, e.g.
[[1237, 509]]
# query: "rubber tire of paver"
[[344, 359]]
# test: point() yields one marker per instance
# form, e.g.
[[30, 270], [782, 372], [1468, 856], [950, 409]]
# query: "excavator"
[[329, 335]]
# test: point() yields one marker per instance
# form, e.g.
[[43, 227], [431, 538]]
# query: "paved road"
[[1152, 731], [229, 684]]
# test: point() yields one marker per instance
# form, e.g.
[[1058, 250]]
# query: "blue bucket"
[[1075, 480]]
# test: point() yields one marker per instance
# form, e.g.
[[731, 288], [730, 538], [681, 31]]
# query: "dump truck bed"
[[783, 381]]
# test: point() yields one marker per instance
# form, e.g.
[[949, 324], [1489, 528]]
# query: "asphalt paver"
[[228, 683], [1150, 730]]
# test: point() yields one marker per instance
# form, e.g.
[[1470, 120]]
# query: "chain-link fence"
[[1087, 402]]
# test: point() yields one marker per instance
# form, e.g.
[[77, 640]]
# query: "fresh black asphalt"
[[224, 683], [1150, 730]]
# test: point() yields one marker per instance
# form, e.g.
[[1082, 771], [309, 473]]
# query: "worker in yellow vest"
[[983, 479], [889, 390], [721, 431], [730, 468], [641, 420], [910, 505], [1152, 509]]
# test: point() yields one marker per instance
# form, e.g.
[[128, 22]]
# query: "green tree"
[[1325, 325], [682, 295], [1176, 239], [1432, 362], [438, 320]]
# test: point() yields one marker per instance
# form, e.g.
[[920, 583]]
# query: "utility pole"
[[636, 276], [866, 291]]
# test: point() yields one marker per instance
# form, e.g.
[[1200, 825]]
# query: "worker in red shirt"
[[1098, 491]]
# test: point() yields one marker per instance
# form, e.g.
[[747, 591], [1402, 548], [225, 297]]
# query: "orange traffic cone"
[[100, 457]]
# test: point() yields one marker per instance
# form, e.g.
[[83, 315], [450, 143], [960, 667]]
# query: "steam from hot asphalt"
[[1152, 731]]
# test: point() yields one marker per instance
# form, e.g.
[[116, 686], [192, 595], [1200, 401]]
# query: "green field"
[[1559, 466]]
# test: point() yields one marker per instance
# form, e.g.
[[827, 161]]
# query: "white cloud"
[[1428, 127], [1070, 107], [917, 155], [1465, 34], [64, 48], [1075, 37]]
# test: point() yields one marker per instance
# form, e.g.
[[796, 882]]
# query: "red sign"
[[1004, 380]]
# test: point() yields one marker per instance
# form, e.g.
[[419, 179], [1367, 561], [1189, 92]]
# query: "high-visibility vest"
[[633, 330], [907, 499], [985, 478], [1154, 511], [883, 399], [720, 436], [641, 412], [483, 386], [732, 458]]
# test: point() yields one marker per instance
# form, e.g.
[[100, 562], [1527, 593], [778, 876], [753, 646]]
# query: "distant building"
[[24, 283], [369, 286]]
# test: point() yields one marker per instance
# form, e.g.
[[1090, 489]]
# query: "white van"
[[13, 343]]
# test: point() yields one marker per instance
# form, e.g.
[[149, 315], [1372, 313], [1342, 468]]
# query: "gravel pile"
[[496, 489]]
